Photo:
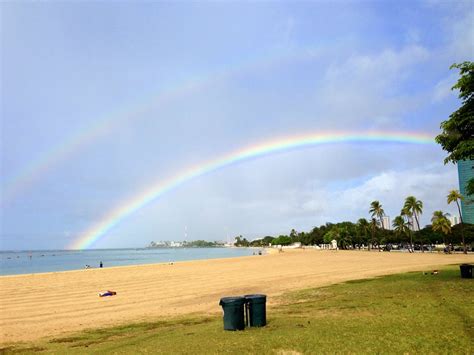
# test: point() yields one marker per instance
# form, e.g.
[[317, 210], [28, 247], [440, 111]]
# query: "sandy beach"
[[53, 304]]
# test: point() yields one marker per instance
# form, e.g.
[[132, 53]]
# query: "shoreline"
[[140, 264], [266, 251], [125, 266], [53, 304]]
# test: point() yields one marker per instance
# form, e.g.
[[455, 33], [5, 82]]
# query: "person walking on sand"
[[101, 265]]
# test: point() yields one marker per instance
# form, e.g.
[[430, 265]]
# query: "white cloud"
[[361, 89], [430, 185], [442, 89], [378, 70], [462, 36], [262, 205]]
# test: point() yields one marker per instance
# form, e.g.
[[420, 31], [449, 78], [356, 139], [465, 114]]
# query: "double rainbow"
[[35, 169], [116, 215]]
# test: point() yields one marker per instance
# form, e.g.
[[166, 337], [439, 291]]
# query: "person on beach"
[[101, 265]]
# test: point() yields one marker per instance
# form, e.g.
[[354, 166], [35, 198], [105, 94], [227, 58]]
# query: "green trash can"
[[466, 271], [233, 308], [256, 310]]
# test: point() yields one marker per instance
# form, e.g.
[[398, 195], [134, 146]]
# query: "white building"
[[413, 225], [386, 222], [454, 220]]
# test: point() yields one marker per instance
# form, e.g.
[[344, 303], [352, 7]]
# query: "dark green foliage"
[[352, 236], [428, 235], [457, 136], [282, 240], [468, 233], [241, 242], [347, 234], [202, 244], [262, 242], [315, 236]]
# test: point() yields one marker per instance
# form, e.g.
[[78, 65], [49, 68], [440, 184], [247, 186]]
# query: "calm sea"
[[28, 262]]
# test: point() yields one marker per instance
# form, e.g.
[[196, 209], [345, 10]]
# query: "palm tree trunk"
[[418, 224], [410, 234], [411, 241], [381, 225], [462, 228], [372, 238]]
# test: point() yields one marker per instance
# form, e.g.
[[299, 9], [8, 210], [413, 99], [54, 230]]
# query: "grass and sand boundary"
[[57, 304]]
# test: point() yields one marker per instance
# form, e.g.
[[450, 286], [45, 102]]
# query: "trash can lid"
[[232, 300], [257, 296]]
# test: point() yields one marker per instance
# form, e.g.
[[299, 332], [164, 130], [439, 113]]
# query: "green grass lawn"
[[406, 313]]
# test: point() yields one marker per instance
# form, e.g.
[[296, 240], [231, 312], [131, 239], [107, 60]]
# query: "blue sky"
[[175, 84]]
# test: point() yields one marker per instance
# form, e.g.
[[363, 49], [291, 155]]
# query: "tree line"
[[373, 233]]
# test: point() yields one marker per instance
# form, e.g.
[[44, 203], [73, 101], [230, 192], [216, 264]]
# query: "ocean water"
[[29, 262]]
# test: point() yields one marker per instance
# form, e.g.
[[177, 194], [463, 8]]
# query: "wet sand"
[[53, 304]]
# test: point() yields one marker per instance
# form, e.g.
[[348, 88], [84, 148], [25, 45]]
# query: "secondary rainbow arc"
[[116, 215], [26, 177]]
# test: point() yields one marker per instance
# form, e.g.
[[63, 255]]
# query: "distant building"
[[465, 173], [454, 220], [386, 222], [413, 225]]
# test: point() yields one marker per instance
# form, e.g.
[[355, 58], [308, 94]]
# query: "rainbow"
[[30, 173], [40, 166], [157, 190]]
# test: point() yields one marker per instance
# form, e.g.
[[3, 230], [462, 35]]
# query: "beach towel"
[[107, 293]]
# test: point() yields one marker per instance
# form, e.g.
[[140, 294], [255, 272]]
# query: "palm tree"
[[441, 223], [344, 237], [406, 214], [373, 227], [294, 236], [364, 228], [455, 196], [376, 210], [415, 207], [400, 226]]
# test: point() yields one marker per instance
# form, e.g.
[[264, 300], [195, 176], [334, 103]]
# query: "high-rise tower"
[[454, 220], [465, 173]]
